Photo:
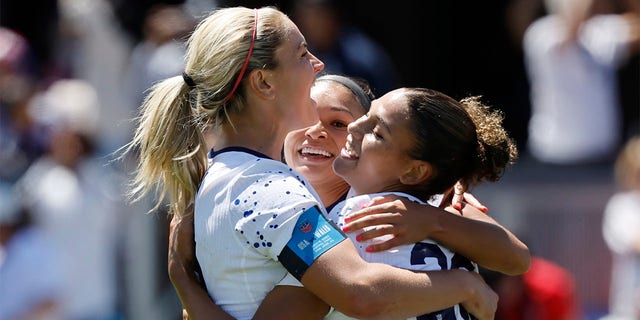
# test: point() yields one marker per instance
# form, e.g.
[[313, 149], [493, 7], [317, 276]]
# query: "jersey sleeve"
[[270, 205]]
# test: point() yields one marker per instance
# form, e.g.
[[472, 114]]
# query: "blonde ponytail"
[[171, 148]]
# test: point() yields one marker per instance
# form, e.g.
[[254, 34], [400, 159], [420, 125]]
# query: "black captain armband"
[[312, 236]]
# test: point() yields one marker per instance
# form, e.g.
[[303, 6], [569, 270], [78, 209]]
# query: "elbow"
[[363, 301], [361, 297], [521, 263], [366, 300]]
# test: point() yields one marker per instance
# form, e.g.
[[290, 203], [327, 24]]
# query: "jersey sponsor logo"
[[306, 226]]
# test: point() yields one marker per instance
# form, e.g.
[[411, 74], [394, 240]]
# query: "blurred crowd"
[[72, 77], [73, 74]]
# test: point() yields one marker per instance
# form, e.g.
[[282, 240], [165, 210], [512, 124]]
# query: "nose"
[[356, 128], [316, 131], [317, 64]]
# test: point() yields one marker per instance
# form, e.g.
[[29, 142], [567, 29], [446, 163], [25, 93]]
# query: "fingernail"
[[457, 206], [345, 229], [484, 209], [368, 249], [359, 238], [347, 219]]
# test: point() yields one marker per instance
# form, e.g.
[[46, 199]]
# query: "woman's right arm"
[[379, 291], [341, 278], [182, 265], [471, 232]]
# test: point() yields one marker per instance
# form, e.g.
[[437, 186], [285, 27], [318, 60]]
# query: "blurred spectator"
[[343, 47], [74, 198], [21, 140], [546, 292], [91, 46], [572, 56], [621, 231], [30, 274], [38, 23], [160, 54]]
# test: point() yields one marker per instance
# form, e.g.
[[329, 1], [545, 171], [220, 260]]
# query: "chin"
[[341, 167]]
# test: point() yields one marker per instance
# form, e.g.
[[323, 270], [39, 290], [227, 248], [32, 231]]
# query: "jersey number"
[[422, 251]]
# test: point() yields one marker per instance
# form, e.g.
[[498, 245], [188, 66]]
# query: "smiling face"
[[311, 150], [375, 157]]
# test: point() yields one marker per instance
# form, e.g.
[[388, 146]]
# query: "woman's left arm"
[[468, 231]]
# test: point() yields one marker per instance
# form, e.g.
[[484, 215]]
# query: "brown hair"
[[461, 140]]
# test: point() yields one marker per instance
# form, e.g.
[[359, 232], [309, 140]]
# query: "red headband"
[[246, 61]]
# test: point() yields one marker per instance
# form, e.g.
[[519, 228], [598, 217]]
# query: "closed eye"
[[376, 135]]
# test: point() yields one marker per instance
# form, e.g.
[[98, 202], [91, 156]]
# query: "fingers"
[[384, 245], [371, 210], [457, 201], [458, 195], [381, 200], [377, 231], [461, 196], [368, 218], [385, 238], [473, 201]]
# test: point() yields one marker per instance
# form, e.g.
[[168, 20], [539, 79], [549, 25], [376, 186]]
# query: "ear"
[[417, 172], [261, 82]]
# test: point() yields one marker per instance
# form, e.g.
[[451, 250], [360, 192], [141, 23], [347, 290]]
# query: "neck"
[[413, 190], [258, 132], [330, 191]]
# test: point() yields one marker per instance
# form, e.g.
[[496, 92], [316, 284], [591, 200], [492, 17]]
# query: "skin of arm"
[[306, 304], [470, 232], [342, 279]]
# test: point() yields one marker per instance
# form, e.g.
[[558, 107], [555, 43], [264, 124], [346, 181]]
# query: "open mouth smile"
[[348, 151], [315, 153]]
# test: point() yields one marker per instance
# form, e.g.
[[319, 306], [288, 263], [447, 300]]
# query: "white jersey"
[[245, 212], [425, 255]]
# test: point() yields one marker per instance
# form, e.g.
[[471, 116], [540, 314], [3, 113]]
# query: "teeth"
[[307, 150], [348, 150]]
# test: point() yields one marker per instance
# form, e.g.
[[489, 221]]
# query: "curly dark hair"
[[462, 140]]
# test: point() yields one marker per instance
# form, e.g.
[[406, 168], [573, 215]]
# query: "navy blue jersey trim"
[[342, 198], [213, 153]]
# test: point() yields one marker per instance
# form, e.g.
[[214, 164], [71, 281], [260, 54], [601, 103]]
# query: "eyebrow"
[[341, 109], [303, 45]]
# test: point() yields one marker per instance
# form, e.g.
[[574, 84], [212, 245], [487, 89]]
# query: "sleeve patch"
[[312, 236]]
